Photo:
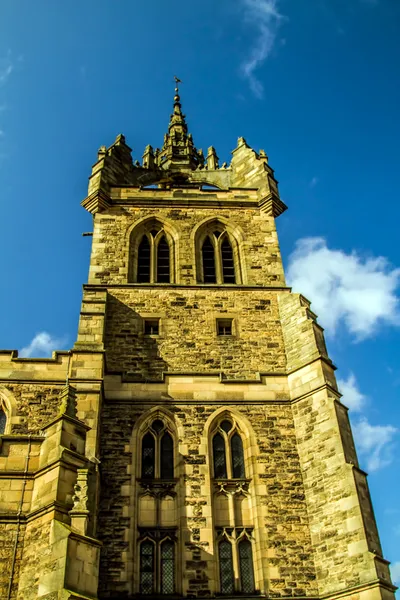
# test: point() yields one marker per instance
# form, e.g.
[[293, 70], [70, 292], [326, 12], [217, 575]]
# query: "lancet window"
[[228, 457], [151, 255], [157, 512], [232, 509], [157, 453], [157, 567], [218, 255]]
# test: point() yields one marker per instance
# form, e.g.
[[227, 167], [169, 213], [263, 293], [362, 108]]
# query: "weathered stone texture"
[[279, 492], [36, 404], [188, 340], [261, 263]]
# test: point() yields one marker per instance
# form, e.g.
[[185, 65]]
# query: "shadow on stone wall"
[[128, 349]]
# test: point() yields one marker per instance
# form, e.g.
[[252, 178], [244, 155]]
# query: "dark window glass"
[[246, 567], [219, 457], [147, 567], [148, 451], [167, 457], [163, 261], [228, 269], [208, 262], [167, 568], [143, 275], [3, 420], [226, 568], [237, 456], [224, 326], [226, 426], [152, 326]]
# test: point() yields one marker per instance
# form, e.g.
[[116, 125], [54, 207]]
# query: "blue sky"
[[314, 82]]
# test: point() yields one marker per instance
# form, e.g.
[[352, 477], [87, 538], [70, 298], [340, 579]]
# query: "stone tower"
[[192, 443]]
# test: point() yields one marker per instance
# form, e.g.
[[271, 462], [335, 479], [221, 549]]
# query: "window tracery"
[[218, 256], [157, 511], [232, 506], [151, 254]]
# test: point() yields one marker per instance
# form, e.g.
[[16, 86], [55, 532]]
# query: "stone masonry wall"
[[188, 340], [261, 261], [277, 485], [37, 404]]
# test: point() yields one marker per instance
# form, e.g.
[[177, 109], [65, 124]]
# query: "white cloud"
[[264, 16], [375, 443], [352, 397], [395, 571], [345, 288], [42, 345]]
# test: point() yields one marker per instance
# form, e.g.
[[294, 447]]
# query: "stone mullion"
[[153, 260], [218, 259]]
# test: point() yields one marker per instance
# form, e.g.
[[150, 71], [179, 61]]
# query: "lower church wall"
[[283, 559]]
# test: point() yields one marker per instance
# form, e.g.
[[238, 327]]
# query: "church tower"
[[192, 443]]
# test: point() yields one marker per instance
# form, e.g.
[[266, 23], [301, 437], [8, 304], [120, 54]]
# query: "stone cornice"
[[96, 202]]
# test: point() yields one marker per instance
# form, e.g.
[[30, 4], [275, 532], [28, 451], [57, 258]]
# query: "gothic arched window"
[[151, 254], [163, 261], [219, 456], [237, 456], [228, 268], [232, 508], [143, 270], [148, 456], [218, 253], [208, 255], [157, 452], [226, 574], [228, 456]]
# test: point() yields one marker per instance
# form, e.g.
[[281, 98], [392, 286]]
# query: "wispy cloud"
[[375, 443], [42, 345], [352, 397], [314, 182], [395, 571], [345, 288], [264, 18]]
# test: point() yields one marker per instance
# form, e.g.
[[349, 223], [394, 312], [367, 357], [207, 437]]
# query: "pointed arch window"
[[143, 271], [151, 255], [3, 421], [228, 269], [237, 456], [163, 266], [218, 253], [219, 455], [157, 452], [228, 455], [208, 255]]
